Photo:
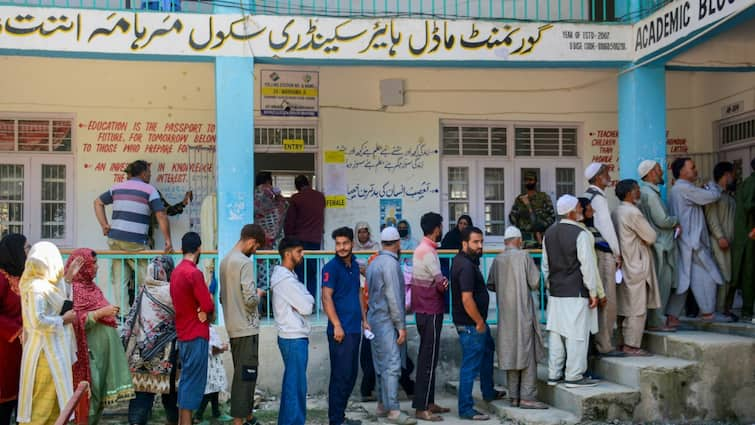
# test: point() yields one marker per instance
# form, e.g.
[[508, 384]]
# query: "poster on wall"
[[335, 179], [289, 93], [390, 212]]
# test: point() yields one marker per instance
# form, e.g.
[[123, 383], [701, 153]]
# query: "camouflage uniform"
[[541, 217]]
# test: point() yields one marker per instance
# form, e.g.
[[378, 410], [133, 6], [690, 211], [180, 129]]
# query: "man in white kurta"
[[569, 267], [639, 290], [697, 269], [664, 248], [599, 179], [720, 218]]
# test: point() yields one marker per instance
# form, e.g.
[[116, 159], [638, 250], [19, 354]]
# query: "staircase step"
[[746, 329], [607, 400], [664, 383], [724, 384], [503, 410]]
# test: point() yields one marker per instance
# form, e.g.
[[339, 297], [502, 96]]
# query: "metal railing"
[[112, 269], [514, 10]]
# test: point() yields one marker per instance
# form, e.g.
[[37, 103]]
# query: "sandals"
[[476, 416], [402, 419], [427, 415], [636, 352], [434, 408], [532, 404]]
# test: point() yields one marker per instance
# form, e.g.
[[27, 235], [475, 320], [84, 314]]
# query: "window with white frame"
[[484, 163], [36, 178]]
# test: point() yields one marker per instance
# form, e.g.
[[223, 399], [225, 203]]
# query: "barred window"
[[35, 135], [474, 140], [545, 141], [274, 136]]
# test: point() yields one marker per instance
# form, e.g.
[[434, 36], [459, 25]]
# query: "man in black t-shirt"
[[469, 298]]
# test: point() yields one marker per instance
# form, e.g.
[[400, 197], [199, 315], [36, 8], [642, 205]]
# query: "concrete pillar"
[[234, 117], [642, 118]]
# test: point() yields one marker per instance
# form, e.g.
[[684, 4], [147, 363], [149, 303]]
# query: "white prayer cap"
[[389, 234], [645, 166], [566, 204], [592, 170], [511, 233]]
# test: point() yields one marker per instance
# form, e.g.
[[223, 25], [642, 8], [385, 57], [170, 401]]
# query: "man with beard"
[[743, 249], [720, 218], [513, 276], [697, 268], [469, 301], [240, 297], [428, 288], [639, 291], [599, 179], [664, 248], [532, 212], [341, 302], [569, 267], [291, 302], [387, 321]]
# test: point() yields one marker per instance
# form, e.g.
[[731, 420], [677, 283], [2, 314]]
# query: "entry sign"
[[293, 145]]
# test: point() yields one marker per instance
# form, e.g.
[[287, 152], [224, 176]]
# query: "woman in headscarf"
[[364, 241], [101, 359], [13, 249], [452, 240], [46, 382], [149, 336]]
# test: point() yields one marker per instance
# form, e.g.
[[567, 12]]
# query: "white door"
[[741, 159], [556, 178]]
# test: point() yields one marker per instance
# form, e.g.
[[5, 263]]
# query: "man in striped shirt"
[[133, 202]]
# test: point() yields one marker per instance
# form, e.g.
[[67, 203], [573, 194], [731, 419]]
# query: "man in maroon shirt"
[[304, 222], [194, 307]]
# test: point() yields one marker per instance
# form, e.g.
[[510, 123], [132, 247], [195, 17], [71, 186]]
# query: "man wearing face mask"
[[599, 179], [664, 248], [240, 297], [720, 218], [532, 213], [428, 288], [639, 291]]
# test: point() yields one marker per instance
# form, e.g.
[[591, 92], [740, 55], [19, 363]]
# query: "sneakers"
[[553, 382], [582, 383]]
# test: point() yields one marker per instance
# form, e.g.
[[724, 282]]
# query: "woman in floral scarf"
[[100, 357], [149, 336]]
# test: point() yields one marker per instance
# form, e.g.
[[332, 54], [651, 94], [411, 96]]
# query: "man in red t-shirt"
[[194, 307]]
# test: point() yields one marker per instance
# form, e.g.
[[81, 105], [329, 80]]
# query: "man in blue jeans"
[[341, 302], [291, 302], [194, 307], [469, 298]]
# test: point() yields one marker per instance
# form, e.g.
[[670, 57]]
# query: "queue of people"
[[610, 275]]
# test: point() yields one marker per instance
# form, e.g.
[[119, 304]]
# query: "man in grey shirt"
[[240, 296], [386, 318]]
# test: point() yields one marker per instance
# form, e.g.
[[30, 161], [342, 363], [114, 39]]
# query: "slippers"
[[636, 352], [498, 395], [664, 328], [438, 409], [476, 416], [428, 415], [402, 419], [532, 404]]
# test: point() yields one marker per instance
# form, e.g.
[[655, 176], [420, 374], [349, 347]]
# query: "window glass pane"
[[498, 141], [546, 141], [522, 142], [495, 219], [53, 188], [450, 145], [11, 198], [569, 142], [455, 210], [524, 172], [565, 182], [34, 135], [474, 141], [458, 183], [61, 136], [7, 135], [494, 184]]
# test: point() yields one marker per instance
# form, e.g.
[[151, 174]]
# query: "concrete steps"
[[663, 383], [502, 409], [720, 386], [607, 400], [746, 329]]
